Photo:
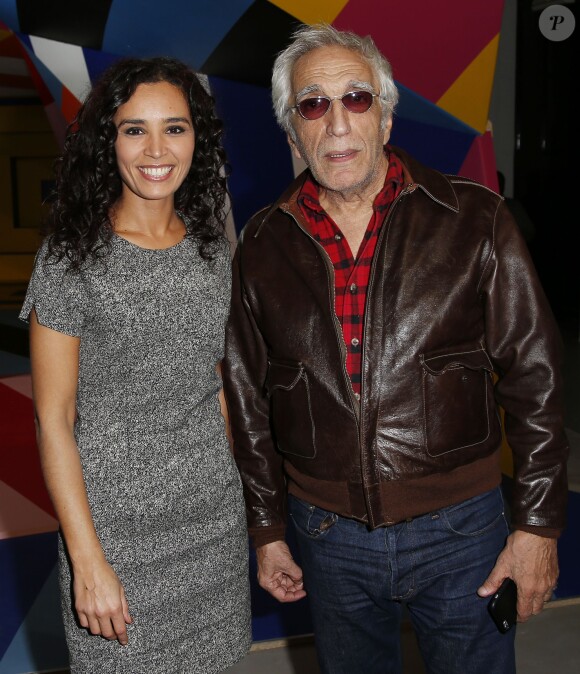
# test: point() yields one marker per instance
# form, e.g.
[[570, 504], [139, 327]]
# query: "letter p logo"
[[556, 23]]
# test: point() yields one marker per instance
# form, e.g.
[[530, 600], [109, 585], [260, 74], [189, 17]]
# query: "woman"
[[127, 305]]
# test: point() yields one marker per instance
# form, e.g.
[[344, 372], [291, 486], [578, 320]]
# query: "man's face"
[[344, 150]]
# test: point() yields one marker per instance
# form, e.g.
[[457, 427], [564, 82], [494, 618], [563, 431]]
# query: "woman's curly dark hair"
[[87, 179]]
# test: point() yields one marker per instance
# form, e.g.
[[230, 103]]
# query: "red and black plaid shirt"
[[351, 276]]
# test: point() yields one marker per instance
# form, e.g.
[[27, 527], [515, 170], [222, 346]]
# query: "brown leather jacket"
[[456, 326]]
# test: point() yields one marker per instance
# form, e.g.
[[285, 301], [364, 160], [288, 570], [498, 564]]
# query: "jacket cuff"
[[545, 532], [263, 535]]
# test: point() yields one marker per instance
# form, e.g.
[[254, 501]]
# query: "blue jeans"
[[358, 580]]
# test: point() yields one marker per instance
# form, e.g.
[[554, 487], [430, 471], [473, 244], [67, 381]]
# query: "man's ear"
[[294, 147], [387, 131]]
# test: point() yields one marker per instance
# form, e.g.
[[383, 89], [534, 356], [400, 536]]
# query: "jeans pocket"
[[310, 520], [477, 515]]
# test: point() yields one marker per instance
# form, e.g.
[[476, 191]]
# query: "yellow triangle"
[[469, 96], [4, 34], [311, 12]]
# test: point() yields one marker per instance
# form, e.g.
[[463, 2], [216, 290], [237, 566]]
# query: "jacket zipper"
[[411, 187], [337, 329], [357, 406]]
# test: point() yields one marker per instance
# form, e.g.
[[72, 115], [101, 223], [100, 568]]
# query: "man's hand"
[[532, 562], [278, 573]]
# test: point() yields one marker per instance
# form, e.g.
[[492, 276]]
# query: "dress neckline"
[[150, 250]]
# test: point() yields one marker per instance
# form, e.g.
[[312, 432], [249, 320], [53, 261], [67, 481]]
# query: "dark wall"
[[546, 156]]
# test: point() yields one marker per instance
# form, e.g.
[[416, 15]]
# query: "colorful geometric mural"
[[27, 542], [16, 82], [443, 57]]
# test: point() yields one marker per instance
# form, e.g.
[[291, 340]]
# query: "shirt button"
[[338, 237], [353, 287], [354, 341]]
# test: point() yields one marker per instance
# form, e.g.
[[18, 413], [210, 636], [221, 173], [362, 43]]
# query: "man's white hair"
[[308, 38]]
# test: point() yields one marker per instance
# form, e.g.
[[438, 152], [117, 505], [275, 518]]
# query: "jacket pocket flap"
[[282, 376], [472, 360]]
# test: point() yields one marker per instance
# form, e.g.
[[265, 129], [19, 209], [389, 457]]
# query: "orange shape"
[[469, 96], [311, 12]]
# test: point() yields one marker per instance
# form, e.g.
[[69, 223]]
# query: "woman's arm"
[[224, 409], [99, 596]]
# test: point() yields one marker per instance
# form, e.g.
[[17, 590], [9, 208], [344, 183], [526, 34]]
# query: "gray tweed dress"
[[164, 493]]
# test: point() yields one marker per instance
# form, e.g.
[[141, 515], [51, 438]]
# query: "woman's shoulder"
[[51, 256], [55, 291], [56, 259]]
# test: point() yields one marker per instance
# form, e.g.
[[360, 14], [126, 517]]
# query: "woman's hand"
[[100, 602]]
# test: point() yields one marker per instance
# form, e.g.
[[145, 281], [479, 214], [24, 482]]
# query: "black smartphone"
[[503, 606]]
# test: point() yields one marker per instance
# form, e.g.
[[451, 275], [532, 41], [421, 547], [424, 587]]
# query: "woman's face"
[[155, 141]]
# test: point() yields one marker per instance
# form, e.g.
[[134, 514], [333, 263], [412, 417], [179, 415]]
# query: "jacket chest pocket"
[[457, 400], [290, 409]]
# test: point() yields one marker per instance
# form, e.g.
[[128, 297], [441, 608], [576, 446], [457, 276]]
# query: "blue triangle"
[[97, 62], [414, 107], [186, 30], [256, 147], [9, 14], [25, 564], [443, 149], [39, 644]]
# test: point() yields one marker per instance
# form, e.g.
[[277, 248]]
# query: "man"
[[374, 306]]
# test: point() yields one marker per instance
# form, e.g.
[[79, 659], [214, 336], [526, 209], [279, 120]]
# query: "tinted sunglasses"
[[318, 106]]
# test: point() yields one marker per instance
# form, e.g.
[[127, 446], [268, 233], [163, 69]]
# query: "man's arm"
[[260, 464], [524, 343]]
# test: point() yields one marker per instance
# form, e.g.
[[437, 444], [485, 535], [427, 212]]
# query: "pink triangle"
[[20, 517], [479, 163], [21, 383]]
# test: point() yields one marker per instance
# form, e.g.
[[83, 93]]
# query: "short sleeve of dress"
[[56, 294]]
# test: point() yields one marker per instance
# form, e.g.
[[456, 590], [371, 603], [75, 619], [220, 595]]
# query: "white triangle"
[[66, 62]]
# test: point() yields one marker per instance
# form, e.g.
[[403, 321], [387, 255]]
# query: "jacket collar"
[[436, 185], [288, 197]]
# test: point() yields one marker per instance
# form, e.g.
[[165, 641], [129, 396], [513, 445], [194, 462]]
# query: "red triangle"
[[429, 44], [11, 46], [19, 461], [70, 105]]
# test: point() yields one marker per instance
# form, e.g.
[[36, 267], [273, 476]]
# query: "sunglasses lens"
[[357, 101], [354, 101], [313, 108]]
